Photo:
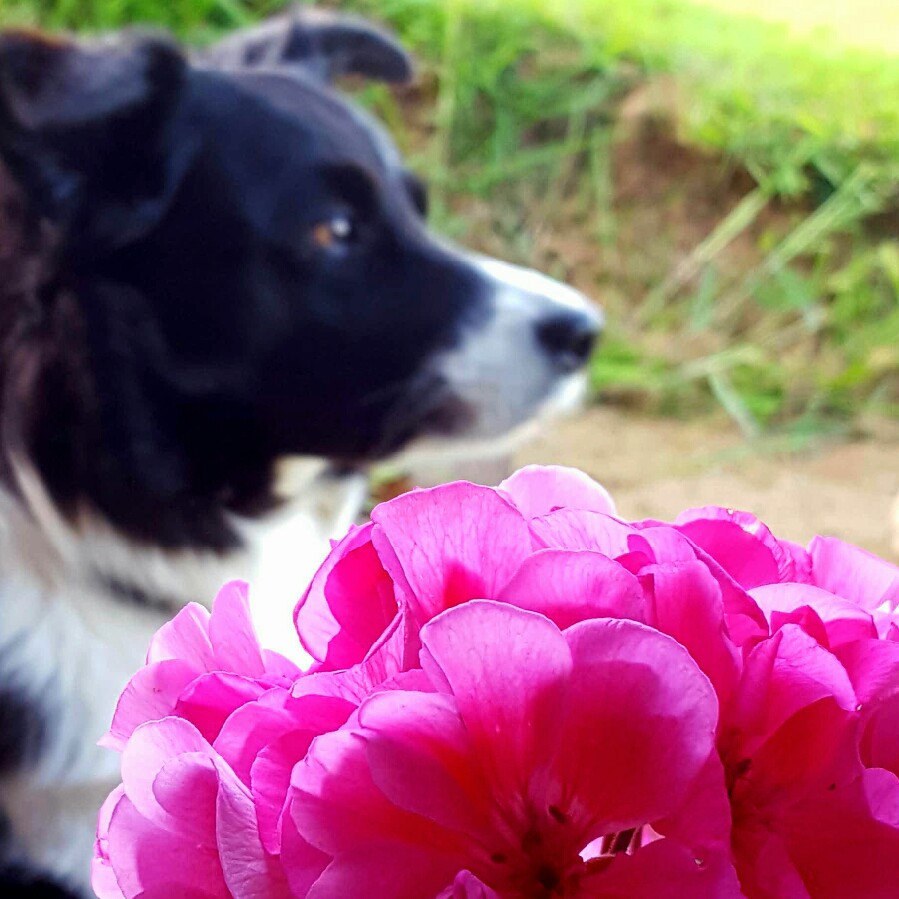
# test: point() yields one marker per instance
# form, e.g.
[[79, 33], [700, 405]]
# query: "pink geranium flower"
[[869, 582], [518, 694], [201, 666], [427, 551], [789, 747], [537, 745], [745, 546], [182, 824], [873, 667], [430, 550]]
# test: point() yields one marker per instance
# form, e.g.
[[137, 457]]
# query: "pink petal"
[[507, 669], [741, 554], [336, 806], [421, 758], [103, 879], [149, 860], [846, 844], [662, 543], [384, 871], [313, 616], [570, 586], [275, 713], [249, 871], [185, 637], [702, 822], [270, 784], [641, 723], [785, 674], [804, 617], [664, 870], [843, 620], [798, 567], [152, 746], [209, 699], [303, 864], [231, 632], [853, 573], [689, 607], [792, 726], [151, 694], [279, 666], [361, 598], [765, 867], [873, 667], [703, 526], [813, 750], [540, 489], [576, 529], [879, 745], [449, 544], [395, 652], [745, 620]]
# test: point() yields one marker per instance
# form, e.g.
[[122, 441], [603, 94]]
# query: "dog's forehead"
[[343, 131]]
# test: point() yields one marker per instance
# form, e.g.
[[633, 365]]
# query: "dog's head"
[[241, 272]]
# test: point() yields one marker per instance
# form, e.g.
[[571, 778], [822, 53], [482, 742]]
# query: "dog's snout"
[[569, 337]]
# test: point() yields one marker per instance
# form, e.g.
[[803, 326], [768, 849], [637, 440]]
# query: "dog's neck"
[[71, 637], [278, 552]]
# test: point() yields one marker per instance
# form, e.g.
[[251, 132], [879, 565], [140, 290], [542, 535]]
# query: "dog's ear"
[[321, 43], [84, 128]]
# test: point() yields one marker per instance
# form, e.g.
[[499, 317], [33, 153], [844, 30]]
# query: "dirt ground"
[[657, 467]]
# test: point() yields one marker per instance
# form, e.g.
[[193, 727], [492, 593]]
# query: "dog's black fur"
[[207, 265]]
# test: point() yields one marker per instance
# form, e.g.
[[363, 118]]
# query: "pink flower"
[[182, 824], [518, 694], [873, 667], [201, 666], [745, 547], [430, 550], [847, 571], [789, 747], [536, 744], [831, 619], [537, 490], [427, 551]]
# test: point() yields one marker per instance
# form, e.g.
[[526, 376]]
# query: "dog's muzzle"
[[527, 352]]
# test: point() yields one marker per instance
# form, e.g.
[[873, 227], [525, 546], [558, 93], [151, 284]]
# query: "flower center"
[[545, 862]]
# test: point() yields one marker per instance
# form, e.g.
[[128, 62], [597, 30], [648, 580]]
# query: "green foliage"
[[784, 308]]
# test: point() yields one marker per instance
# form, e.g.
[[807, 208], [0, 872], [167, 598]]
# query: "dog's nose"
[[565, 323], [569, 337]]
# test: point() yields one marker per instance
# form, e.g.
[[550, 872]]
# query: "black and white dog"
[[210, 265]]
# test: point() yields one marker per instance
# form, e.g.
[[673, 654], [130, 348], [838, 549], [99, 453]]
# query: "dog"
[[219, 303]]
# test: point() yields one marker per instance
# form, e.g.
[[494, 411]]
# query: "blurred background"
[[721, 175]]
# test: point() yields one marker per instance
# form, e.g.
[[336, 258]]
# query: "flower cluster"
[[517, 694]]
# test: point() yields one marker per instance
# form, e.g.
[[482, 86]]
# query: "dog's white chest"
[[69, 648], [71, 666]]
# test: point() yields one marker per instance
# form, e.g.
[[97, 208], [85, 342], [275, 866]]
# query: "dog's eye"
[[332, 232]]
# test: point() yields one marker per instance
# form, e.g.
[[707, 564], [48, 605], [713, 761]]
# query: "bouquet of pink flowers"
[[518, 694]]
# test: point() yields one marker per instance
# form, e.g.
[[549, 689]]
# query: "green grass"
[[756, 270]]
